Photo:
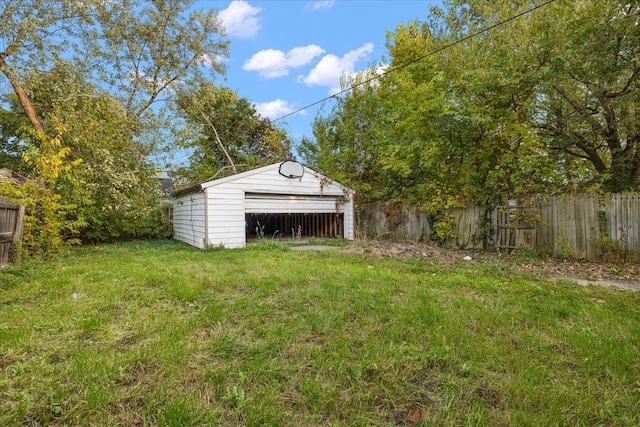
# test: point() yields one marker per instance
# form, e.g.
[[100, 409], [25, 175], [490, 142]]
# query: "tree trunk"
[[226, 153], [24, 100]]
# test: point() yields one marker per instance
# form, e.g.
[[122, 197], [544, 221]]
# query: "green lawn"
[[156, 333]]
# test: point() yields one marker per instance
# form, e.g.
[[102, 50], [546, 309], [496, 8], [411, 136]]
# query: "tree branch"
[[23, 98], [226, 153]]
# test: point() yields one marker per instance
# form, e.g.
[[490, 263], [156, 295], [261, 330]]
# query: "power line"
[[431, 53]]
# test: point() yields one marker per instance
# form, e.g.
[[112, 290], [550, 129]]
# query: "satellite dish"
[[291, 169]]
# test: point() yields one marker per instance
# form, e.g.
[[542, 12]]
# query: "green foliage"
[[348, 141], [107, 191], [545, 103], [45, 221], [91, 182], [135, 48], [611, 251], [223, 130], [10, 144], [444, 227], [590, 90]]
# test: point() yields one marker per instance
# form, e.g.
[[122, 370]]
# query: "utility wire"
[[413, 61]]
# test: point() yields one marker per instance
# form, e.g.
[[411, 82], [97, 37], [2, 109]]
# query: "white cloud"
[[319, 5], [275, 109], [330, 68], [272, 63], [299, 56], [240, 19], [269, 63]]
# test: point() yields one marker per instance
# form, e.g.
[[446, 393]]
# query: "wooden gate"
[[515, 227], [11, 224]]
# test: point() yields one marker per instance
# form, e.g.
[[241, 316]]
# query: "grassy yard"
[[156, 333]]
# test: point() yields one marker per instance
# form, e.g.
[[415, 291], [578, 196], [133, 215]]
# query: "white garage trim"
[[286, 203]]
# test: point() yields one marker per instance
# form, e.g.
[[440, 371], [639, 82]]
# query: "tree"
[[431, 139], [224, 130], [347, 143], [61, 59], [102, 186], [577, 68], [136, 49], [544, 103], [588, 103], [10, 144], [487, 147]]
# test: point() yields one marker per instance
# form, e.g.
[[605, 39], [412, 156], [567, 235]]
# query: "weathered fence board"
[[468, 230], [382, 221], [575, 226], [515, 227], [568, 226], [11, 224], [623, 216]]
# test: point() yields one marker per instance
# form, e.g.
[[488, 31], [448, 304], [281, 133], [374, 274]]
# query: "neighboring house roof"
[[11, 176], [166, 185]]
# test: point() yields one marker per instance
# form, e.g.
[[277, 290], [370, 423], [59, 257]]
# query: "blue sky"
[[287, 54]]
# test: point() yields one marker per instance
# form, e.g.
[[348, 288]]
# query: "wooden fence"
[[582, 227], [11, 225]]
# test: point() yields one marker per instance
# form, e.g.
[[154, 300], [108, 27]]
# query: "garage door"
[[284, 203]]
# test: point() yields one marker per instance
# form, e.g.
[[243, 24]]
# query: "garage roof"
[[212, 183]]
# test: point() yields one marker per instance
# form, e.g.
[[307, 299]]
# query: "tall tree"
[[347, 140], [223, 130], [546, 102], [590, 96], [103, 187], [10, 143], [135, 49], [490, 151], [85, 149], [570, 70], [439, 133]]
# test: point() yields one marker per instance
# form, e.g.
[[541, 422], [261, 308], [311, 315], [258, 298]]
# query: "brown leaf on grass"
[[137, 420], [414, 415]]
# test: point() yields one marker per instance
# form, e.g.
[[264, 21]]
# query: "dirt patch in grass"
[[401, 250], [546, 267]]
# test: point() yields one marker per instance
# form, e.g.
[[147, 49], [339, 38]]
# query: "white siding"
[[226, 217], [349, 220], [189, 219]]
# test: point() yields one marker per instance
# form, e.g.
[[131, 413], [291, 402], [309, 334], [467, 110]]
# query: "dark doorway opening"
[[294, 225]]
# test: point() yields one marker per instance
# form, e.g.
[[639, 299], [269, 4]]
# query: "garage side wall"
[[226, 217], [349, 221], [189, 219]]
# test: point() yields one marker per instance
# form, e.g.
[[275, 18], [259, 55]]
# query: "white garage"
[[283, 200]]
